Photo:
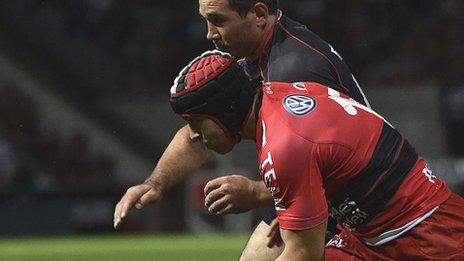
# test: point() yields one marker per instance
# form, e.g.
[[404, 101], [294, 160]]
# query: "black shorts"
[[269, 215]]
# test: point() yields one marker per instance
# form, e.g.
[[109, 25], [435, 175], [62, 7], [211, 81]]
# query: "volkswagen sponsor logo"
[[299, 105]]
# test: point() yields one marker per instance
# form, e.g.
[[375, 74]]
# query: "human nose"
[[213, 33]]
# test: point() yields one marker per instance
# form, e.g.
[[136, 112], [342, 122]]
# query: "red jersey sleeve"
[[291, 173]]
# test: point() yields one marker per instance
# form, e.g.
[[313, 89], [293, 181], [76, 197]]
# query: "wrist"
[[261, 193], [157, 182]]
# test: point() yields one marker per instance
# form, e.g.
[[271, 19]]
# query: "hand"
[[231, 194], [274, 238], [139, 195]]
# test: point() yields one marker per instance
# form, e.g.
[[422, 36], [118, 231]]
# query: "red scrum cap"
[[215, 86], [202, 69]]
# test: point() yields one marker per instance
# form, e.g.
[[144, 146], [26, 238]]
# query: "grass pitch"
[[124, 247]]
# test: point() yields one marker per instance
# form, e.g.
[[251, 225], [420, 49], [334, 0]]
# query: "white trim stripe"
[[264, 141], [368, 105], [392, 234]]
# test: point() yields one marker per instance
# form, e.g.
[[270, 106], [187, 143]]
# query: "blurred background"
[[84, 112]]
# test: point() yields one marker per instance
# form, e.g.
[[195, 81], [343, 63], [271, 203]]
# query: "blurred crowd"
[[391, 41], [138, 46], [36, 160]]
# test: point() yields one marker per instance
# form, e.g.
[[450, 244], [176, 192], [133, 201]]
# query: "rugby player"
[[322, 153], [274, 47]]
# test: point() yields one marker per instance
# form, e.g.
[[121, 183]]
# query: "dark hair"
[[243, 6]]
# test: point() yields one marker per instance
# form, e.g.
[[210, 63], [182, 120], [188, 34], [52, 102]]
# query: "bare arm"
[[303, 245], [183, 156]]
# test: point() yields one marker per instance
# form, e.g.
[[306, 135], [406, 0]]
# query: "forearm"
[[182, 157]]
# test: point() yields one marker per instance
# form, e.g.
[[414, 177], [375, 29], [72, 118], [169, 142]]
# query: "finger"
[[218, 205], [140, 204], [127, 203], [126, 206], [117, 223], [130, 198], [213, 196], [274, 239], [271, 239], [117, 209], [213, 184], [277, 238], [225, 210], [273, 226], [271, 234], [116, 217], [270, 242]]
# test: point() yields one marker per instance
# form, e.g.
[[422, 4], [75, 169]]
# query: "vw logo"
[[299, 105]]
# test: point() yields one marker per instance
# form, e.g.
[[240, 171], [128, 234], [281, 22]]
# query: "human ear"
[[261, 13]]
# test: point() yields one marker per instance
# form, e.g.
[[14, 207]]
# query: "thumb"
[[148, 197]]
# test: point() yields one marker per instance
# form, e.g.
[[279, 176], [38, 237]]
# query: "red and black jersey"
[[293, 53], [321, 153]]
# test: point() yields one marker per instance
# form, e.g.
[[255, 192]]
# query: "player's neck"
[[264, 39]]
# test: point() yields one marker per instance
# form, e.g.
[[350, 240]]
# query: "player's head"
[[237, 26], [214, 95]]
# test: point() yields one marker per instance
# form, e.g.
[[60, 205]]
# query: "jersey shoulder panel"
[[292, 56], [306, 109], [297, 54]]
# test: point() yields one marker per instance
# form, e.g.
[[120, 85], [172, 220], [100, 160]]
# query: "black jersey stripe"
[[381, 195], [381, 176], [388, 145], [374, 186]]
